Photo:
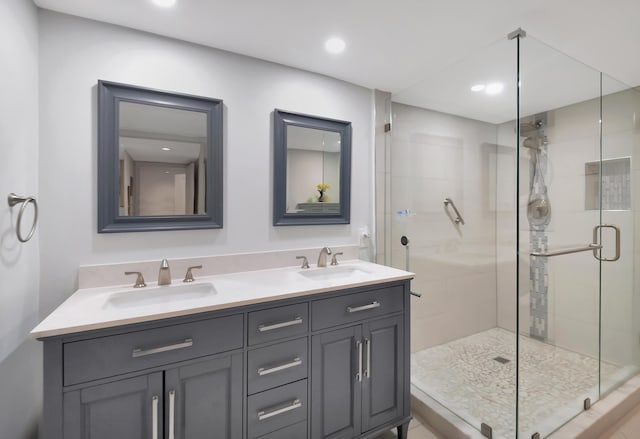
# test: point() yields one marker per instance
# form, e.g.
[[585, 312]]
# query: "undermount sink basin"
[[330, 273], [157, 295]]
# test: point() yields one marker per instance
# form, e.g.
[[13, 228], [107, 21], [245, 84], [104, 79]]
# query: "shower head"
[[530, 129]]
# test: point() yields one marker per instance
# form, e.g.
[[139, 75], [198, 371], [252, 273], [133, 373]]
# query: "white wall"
[[434, 156], [20, 357], [75, 53]]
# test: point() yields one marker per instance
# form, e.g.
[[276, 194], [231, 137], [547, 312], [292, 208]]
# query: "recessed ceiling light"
[[494, 88], [164, 148], [335, 45], [164, 3], [477, 87]]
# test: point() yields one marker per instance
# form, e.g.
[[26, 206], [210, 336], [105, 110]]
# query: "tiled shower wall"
[[433, 156], [467, 274], [572, 312]]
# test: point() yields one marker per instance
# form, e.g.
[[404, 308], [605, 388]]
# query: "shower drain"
[[501, 360]]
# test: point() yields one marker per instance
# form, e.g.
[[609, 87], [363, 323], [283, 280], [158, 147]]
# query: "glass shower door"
[[561, 232], [620, 350], [447, 158]]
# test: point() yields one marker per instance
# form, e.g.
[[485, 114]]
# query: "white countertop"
[[92, 308]]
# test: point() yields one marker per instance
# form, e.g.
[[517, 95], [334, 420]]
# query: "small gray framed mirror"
[[312, 170], [159, 160]]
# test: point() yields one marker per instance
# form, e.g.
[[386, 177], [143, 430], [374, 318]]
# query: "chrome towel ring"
[[17, 199]]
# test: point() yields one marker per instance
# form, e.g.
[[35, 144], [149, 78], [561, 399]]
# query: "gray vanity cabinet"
[[201, 400], [121, 409], [382, 384], [207, 399], [329, 365], [335, 394], [358, 372]]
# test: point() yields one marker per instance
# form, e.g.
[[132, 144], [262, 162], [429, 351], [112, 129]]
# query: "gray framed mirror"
[[312, 170], [159, 160]]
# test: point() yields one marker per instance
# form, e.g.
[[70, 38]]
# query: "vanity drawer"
[[276, 323], [354, 307], [276, 408], [101, 357], [276, 365], [297, 431]]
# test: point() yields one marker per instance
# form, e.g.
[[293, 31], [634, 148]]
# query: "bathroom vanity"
[[272, 354]]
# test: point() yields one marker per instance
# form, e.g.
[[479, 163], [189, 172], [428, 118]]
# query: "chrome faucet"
[[322, 257], [164, 276]]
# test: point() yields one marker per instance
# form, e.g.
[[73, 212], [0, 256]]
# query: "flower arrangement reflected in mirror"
[[322, 188]]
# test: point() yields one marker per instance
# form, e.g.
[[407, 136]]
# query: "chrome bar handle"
[[567, 251], [271, 327], [295, 362], [458, 219], [172, 347], [262, 415], [367, 370], [352, 309], [172, 414], [359, 373], [596, 237], [154, 417]]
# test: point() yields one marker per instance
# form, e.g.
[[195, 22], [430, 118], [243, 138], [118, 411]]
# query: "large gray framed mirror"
[[159, 160], [312, 170]]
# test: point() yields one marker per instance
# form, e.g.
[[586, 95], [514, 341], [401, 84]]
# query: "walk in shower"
[[512, 177]]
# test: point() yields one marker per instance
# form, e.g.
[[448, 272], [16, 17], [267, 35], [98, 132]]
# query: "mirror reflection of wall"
[[162, 153], [313, 159]]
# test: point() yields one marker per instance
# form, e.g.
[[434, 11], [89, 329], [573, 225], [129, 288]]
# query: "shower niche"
[[615, 183]]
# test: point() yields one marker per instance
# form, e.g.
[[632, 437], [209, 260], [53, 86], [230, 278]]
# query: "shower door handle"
[[567, 251], [596, 237]]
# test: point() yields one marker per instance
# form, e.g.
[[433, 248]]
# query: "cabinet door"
[[121, 409], [204, 400], [335, 389], [382, 389]]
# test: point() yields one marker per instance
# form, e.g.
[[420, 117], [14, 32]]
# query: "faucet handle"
[[188, 277], [139, 280], [305, 262], [334, 260]]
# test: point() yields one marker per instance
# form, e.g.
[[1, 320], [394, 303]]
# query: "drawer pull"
[[154, 417], [172, 414], [372, 305], [265, 328], [262, 415], [172, 347], [367, 346], [359, 373], [295, 362]]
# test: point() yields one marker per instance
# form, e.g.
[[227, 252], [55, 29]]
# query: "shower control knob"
[[404, 240]]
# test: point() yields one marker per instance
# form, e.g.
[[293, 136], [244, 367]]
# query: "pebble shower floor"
[[465, 377]]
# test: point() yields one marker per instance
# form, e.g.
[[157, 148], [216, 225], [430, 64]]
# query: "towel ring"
[[17, 199]]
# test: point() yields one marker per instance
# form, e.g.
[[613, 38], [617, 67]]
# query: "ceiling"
[[398, 45]]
